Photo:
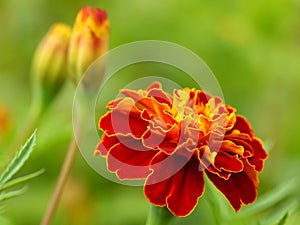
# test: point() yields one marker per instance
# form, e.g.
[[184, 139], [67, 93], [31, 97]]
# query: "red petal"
[[113, 103], [259, 155], [199, 97], [242, 139], [154, 85], [180, 192], [130, 160], [229, 163], [124, 119], [243, 125], [226, 146], [165, 140], [161, 96], [238, 189], [206, 158], [135, 95], [105, 145]]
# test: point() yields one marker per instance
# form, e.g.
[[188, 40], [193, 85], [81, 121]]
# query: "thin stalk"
[[64, 173]]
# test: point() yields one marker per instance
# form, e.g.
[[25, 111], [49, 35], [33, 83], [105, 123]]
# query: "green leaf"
[[18, 161], [277, 216], [21, 179], [11, 194], [271, 198], [283, 220]]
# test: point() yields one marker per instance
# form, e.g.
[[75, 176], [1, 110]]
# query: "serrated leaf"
[[11, 194], [21, 179], [19, 160]]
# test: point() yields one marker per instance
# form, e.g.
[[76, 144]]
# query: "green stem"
[[159, 216], [213, 202]]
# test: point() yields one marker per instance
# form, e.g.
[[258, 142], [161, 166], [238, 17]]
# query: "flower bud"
[[49, 68], [89, 40]]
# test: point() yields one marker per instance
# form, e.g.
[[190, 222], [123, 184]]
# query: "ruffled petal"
[[180, 193], [242, 140], [105, 145], [227, 162], [259, 155], [226, 146], [160, 96], [207, 158], [165, 140], [243, 125], [124, 119], [239, 189], [130, 160]]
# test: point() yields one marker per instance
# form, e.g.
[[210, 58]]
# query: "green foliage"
[[272, 208], [283, 220], [18, 161], [10, 194], [13, 167]]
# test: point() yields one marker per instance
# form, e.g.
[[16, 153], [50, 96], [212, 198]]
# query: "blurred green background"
[[253, 48]]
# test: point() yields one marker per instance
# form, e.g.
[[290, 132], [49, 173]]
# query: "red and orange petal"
[[125, 118]]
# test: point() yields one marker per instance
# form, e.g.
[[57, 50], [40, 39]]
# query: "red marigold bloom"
[[172, 140]]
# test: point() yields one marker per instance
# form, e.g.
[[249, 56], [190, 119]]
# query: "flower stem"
[[159, 216], [213, 202], [64, 173]]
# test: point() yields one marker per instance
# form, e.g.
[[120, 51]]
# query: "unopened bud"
[[89, 40], [49, 66]]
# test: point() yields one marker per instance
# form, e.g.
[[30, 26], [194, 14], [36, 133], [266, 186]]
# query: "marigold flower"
[[89, 40], [172, 140], [49, 70]]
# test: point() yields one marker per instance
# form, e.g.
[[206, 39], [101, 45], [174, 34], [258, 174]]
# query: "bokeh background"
[[253, 48]]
